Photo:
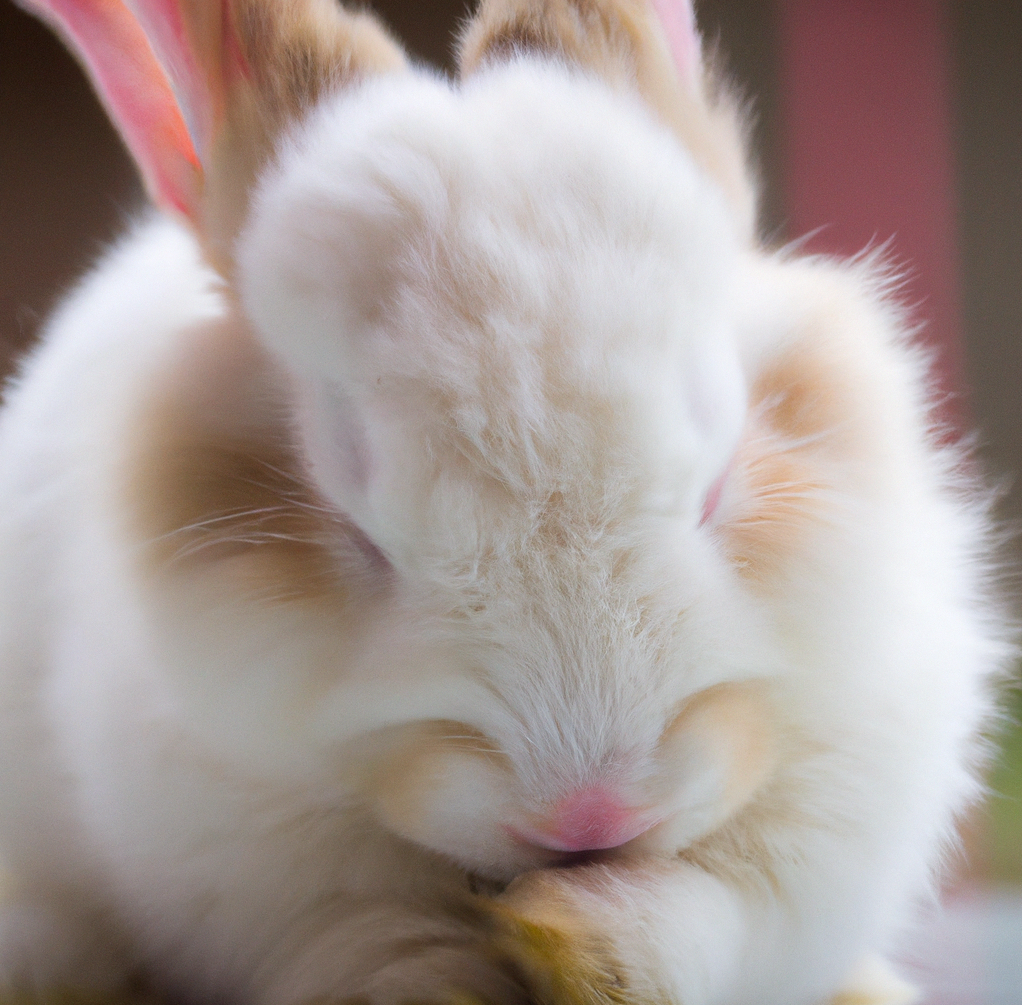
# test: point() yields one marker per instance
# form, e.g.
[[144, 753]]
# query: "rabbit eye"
[[713, 495], [369, 552]]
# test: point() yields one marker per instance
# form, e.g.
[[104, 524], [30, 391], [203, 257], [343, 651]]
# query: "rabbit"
[[447, 556]]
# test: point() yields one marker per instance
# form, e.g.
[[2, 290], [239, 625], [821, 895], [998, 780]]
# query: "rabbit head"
[[509, 316], [534, 392]]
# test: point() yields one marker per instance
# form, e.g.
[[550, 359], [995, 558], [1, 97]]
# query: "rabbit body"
[[508, 554]]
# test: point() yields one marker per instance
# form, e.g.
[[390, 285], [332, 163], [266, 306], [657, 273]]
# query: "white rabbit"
[[446, 558]]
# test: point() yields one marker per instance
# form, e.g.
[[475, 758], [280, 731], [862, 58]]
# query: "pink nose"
[[590, 820]]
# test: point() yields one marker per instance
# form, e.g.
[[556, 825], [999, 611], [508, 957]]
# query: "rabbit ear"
[[678, 22], [651, 46], [116, 53], [201, 89]]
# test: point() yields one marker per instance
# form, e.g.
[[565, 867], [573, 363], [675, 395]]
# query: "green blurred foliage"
[[1003, 843]]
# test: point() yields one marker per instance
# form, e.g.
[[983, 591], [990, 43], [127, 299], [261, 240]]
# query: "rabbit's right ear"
[[651, 47], [201, 89]]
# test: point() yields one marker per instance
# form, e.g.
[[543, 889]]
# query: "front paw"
[[540, 933], [518, 957], [874, 982]]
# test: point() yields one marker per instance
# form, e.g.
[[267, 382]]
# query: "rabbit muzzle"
[[592, 819]]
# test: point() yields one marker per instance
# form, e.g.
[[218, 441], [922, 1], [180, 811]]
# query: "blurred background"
[[876, 122]]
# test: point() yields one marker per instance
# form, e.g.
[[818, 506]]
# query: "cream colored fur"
[[506, 466]]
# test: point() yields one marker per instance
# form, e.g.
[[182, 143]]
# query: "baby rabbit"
[[446, 558]]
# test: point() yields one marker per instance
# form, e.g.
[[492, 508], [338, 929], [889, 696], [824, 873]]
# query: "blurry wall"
[[988, 46]]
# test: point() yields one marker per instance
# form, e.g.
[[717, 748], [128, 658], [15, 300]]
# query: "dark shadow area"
[[66, 184]]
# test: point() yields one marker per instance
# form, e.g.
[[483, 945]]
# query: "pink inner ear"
[[164, 25], [677, 18], [132, 85]]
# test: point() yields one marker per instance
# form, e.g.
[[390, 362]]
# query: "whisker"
[[223, 517]]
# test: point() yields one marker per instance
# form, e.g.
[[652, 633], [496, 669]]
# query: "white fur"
[[484, 299]]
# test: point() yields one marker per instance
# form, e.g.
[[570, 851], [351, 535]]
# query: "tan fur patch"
[[804, 441], [621, 42], [266, 65], [547, 945], [213, 479], [734, 724], [418, 766]]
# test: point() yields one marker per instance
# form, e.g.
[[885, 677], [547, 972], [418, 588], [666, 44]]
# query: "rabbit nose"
[[590, 820]]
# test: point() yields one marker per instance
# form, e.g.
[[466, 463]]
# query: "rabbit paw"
[[551, 949], [875, 983]]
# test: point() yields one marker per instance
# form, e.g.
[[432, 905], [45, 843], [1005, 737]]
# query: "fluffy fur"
[[497, 579]]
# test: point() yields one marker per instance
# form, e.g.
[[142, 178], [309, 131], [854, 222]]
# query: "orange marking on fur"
[[561, 961], [215, 485], [734, 725], [803, 427], [424, 763]]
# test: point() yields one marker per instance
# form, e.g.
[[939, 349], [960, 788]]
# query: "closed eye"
[[713, 496]]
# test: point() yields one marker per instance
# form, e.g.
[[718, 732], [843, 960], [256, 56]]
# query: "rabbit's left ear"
[[648, 46], [202, 89]]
